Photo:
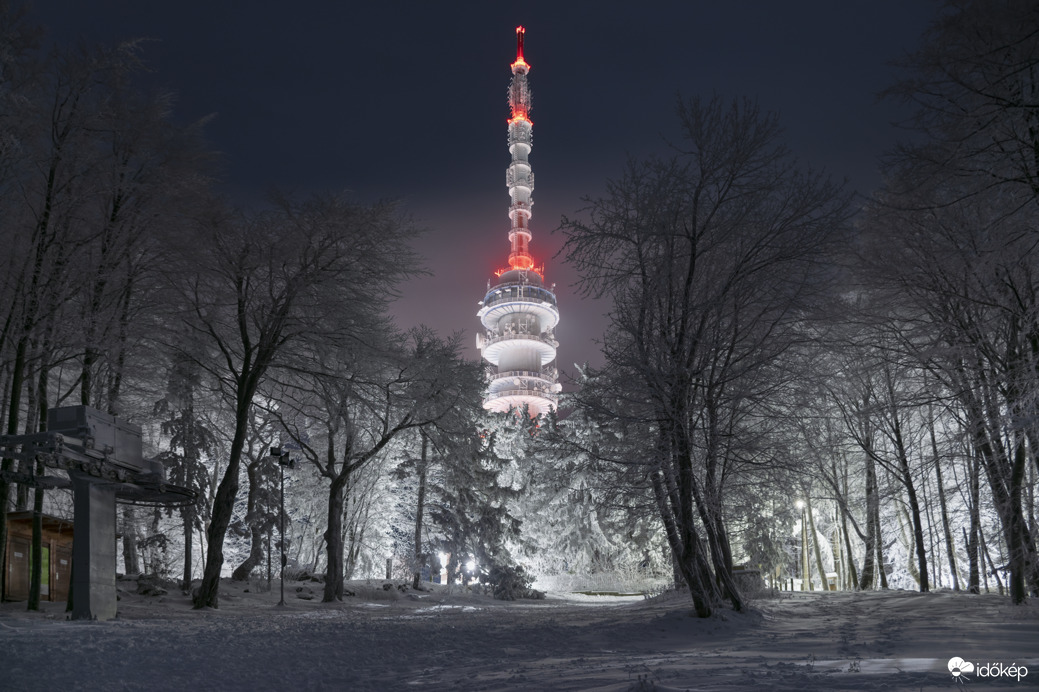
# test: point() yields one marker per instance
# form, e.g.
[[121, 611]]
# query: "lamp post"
[[806, 574], [283, 461]]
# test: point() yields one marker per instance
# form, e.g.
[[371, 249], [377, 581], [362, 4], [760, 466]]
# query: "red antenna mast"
[[520, 177]]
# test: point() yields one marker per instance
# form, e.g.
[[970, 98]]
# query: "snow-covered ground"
[[451, 640]]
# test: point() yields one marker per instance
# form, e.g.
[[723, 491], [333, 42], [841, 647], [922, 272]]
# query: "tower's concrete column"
[[93, 549]]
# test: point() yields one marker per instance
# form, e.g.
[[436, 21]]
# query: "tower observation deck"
[[519, 312]]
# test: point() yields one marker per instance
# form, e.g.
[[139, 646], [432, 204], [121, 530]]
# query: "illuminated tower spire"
[[519, 177], [519, 312]]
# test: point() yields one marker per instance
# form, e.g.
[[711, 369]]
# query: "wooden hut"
[[57, 557]]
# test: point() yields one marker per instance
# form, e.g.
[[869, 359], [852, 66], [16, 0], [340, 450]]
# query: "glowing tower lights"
[[519, 312]]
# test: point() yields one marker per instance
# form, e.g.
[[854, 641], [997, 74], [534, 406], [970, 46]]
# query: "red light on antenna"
[[521, 261], [519, 43]]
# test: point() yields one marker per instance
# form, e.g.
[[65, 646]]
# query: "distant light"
[[471, 565], [443, 559]]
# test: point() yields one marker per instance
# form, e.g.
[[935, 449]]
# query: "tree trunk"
[[806, 565], [815, 543], [950, 547], [131, 561], [991, 565], [245, 570], [1021, 549], [853, 580], [910, 543], [709, 503], [907, 481], [684, 559], [1031, 485], [334, 538], [1005, 471], [1033, 527], [30, 426], [37, 547], [934, 552], [255, 519], [881, 570], [676, 571], [40, 408], [420, 507], [837, 552], [918, 532], [115, 380], [155, 562], [188, 516], [867, 580], [721, 558], [223, 508], [974, 540]]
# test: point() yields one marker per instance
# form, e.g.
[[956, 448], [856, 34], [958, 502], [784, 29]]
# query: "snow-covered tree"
[[712, 258]]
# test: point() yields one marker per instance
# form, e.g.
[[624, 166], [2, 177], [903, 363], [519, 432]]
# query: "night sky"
[[408, 100]]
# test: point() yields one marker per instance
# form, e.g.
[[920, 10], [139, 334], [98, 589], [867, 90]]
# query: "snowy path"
[[842, 641]]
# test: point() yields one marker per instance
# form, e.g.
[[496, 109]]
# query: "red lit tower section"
[[519, 312]]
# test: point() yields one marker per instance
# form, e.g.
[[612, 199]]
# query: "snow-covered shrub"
[[370, 592], [509, 582]]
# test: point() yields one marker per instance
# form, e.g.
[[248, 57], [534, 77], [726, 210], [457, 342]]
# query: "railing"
[[545, 338], [495, 375], [519, 293], [551, 396], [537, 386]]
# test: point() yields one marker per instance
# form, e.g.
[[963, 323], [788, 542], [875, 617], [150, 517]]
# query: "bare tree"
[[349, 413], [256, 288], [973, 86], [712, 259], [880, 415], [75, 130], [962, 279]]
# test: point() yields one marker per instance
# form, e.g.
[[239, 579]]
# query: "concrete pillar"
[[93, 549]]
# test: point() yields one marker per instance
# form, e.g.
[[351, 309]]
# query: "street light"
[[806, 575], [283, 461], [443, 557]]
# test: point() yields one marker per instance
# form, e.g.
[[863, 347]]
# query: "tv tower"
[[519, 312]]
